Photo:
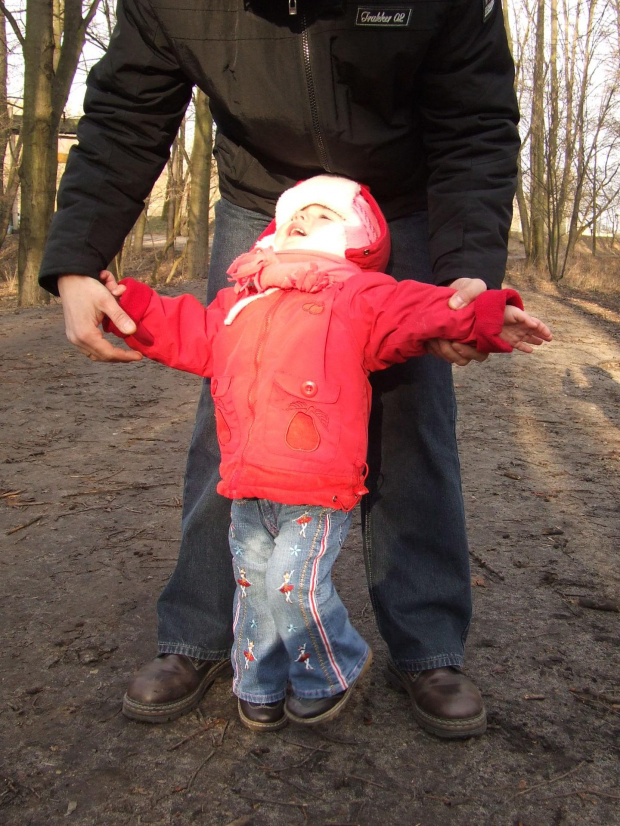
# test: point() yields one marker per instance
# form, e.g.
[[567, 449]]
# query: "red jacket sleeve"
[[395, 319], [177, 332]]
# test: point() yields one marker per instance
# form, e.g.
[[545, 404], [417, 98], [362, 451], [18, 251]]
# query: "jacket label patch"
[[487, 8], [383, 17]]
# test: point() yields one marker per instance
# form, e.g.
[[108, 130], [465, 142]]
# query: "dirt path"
[[90, 486]]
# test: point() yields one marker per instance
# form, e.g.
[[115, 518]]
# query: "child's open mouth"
[[297, 230]]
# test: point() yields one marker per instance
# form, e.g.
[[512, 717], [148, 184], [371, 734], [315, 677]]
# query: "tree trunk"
[[579, 157], [171, 203], [200, 189], [50, 61], [5, 117], [523, 209], [139, 229], [555, 206], [536, 252], [10, 150], [522, 204], [594, 212], [39, 162], [7, 203]]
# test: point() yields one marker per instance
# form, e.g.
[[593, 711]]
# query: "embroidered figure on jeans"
[[303, 521], [286, 586], [242, 582], [304, 657], [249, 654]]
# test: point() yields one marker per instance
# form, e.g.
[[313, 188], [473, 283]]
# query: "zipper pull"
[[292, 7]]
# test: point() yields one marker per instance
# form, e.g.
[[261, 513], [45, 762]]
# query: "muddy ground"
[[90, 483]]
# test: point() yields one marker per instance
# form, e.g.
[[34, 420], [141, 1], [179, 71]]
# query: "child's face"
[[304, 223]]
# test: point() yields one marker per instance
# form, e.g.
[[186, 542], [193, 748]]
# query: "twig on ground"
[[220, 739], [107, 506], [332, 739], [448, 801], [112, 716], [364, 780], [208, 724], [597, 700], [193, 777], [287, 781], [484, 564], [304, 746], [293, 766], [29, 504], [552, 780], [25, 525], [253, 799], [150, 439], [580, 792]]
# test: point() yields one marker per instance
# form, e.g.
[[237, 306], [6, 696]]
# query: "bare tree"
[[199, 199], [517, 46], [173, 214], [536, 251], [52, 44], [567, 83], [139, 229], [10, 146]]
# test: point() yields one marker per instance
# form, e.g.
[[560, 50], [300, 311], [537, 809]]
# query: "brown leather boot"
[[311, 712], [262, 717], [170, 686], [445, 702]]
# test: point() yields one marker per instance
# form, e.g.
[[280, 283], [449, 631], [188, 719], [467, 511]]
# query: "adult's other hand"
[[467, 289], [85, 302]]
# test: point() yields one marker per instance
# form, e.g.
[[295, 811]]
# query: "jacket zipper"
[[292, 7], [258, 356], [314, 111]]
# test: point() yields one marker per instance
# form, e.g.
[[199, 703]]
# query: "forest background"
[[566, 228]]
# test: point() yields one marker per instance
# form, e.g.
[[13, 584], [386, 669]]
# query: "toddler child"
[[289, 348]]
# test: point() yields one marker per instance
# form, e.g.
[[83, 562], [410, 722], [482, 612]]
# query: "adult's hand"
[[453, 351], [85, 301]]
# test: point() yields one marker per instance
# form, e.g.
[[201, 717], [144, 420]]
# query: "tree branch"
[[14, 24]]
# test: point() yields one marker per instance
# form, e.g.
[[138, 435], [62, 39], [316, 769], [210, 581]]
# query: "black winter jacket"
[[414, 99]]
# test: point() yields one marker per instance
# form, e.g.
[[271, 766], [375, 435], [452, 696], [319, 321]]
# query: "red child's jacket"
[[289, 366]]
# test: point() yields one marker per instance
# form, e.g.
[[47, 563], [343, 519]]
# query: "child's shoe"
[[262, 716], [311, 712]]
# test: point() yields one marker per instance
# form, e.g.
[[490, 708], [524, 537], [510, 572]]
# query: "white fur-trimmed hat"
[[342, 196], [364, 238]]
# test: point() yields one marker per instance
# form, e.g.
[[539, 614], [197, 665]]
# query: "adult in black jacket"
[[414, 99]]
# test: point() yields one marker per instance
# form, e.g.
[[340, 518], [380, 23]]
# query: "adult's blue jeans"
[[413, 521], [289, 623]]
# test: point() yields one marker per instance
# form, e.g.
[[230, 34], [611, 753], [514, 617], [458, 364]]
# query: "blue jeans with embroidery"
[[289, 623], [413, 518]]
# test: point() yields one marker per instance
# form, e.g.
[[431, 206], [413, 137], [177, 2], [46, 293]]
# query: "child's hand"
[[108, 280], [521, 330]]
